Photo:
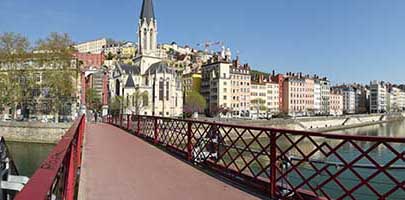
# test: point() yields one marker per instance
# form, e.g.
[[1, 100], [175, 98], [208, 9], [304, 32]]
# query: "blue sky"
[[346, 40]]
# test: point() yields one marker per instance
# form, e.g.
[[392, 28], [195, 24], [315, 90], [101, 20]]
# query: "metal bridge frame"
[[266, 166], [57, 176]]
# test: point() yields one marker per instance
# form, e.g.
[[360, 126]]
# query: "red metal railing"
[[284, 164], [57, 176]]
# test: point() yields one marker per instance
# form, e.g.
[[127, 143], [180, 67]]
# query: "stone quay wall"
[[35, 132]]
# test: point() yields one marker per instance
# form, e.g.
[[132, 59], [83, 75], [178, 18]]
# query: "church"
[[149, 86]]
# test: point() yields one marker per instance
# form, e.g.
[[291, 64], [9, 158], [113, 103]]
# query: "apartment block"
[[395, 99], [325, 95], [317, 96], [93, 47], [378, 97], [226, 85], [349, 100], [335, 103], [264, 98], [192, 81]]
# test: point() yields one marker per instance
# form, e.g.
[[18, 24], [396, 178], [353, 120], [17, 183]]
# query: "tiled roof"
[[160, 67], [130, 82]]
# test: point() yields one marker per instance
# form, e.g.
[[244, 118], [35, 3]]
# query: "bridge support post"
[[138, 131], [121, 120], [128, 122], [273, 165], [156, 130], [189, 144]]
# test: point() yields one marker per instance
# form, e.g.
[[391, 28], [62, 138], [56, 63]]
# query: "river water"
[[379, 154], [28, 156], [392, 129]]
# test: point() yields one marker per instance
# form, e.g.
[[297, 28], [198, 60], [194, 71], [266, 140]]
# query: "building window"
[[145, 100], [161, 90], [167, 90], [176, 104]]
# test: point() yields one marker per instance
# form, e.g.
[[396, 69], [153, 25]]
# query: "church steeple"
[[147, 29], [147, 12]]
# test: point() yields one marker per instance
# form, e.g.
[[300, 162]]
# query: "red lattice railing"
[[284, 164], [56, 178]]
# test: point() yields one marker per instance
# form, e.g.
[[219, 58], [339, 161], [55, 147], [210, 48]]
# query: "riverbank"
[[33, 132], [321, 124]]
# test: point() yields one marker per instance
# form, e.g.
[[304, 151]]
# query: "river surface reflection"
[[28, 156]]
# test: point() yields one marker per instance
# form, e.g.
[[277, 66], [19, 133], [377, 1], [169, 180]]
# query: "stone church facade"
[[150, 75]]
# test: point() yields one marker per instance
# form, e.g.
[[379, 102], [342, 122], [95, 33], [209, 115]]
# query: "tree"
[[15, 80], [60, 89], [60, 79], [195, 102], [93, 100], [138, 101], [259, 105], [13, 44], [58, 43], [109, 56], [116, 105]]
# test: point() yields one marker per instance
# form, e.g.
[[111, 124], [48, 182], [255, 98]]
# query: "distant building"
[[264, 93], [273, 98], [294, 95], [335, 103], [325, 95], [226, 85], [349, 100], [128, 50], [192, 81], [279, 79], [298, 94], [114, 49], [363, 99], [378, 97], [92, 47], [317, 96], [90, 60], [309, 95], [395, 100]]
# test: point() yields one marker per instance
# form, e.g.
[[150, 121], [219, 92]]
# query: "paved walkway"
[[117, 166]]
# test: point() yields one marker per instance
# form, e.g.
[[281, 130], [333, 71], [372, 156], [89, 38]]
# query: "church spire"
[[147, 30], [147, 12]]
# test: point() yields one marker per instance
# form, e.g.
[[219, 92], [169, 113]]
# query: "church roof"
[[130, 82], [147, 11], [130, 69], [160, 67]]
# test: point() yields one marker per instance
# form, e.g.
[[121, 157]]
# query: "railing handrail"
[[41, 183], [293, 132]]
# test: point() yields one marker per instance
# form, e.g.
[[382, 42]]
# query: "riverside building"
[[335, 103], [378, 97], [264, 98], [226, 86]]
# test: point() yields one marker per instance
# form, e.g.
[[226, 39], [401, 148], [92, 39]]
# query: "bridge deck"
[[117, 165]]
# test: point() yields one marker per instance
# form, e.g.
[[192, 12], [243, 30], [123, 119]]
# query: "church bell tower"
[[147, 29]]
